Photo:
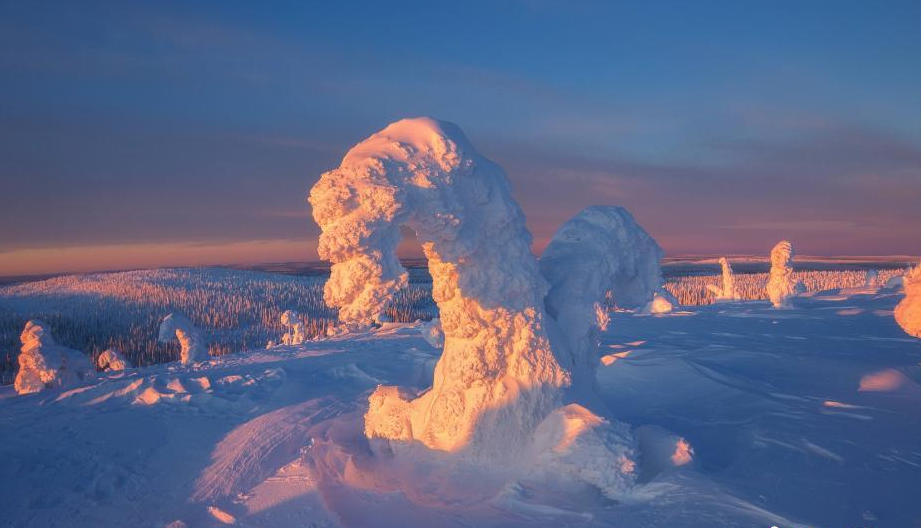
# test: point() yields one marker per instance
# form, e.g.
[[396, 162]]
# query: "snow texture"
[[662, 303], [782, 284], [190, 338], [297, 332], [908, 311], [112, 360], [600, 251], [498, 377], [872, 278], [45, 364], [433, 334], [726, 293]]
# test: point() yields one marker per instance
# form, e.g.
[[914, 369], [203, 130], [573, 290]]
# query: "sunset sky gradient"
[[171, 133]]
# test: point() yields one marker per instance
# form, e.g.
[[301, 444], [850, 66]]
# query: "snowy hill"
[[802, 417]]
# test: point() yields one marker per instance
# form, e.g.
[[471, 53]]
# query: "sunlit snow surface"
[[802, 417]]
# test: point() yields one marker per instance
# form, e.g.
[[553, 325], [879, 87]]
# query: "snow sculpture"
[[193, 344], [602, 249], [45, 364], [497, 377], [908, 311], [782, 285], [297, 333], [112, 360], [728, 290]]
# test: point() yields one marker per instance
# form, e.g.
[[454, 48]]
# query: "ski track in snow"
[[802, 417]]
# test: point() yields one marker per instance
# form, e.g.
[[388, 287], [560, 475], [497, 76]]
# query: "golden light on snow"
[[883, 381]]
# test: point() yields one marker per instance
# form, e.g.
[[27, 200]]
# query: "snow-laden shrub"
[[727, 292], [193, 345], [45, 364], [600, 251], [296, 333], [426, 175], [908, 311], [782, 285], [111, 360]]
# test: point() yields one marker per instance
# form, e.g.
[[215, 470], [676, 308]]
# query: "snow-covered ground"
[[802, 417]]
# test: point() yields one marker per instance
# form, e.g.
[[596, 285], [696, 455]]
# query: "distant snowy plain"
[[802, 417]]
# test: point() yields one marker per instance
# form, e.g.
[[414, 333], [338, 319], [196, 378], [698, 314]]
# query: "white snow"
[[498, 376], [782, 284], [599, 252], [297, 332], [45, 364], [908, 311], [190, 338], [727, 292], [111, 360]]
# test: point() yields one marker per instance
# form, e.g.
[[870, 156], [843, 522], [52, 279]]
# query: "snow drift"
[[600, 251], [190, 338], [781, 285], [908, 311], [45, 364]]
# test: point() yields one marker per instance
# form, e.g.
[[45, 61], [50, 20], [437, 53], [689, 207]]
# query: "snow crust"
[[190, 338], [908, 311], [111, 360], [782, 285], [599, 252], [45, 364]]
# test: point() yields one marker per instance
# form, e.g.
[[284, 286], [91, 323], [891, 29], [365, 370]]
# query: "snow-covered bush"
[[782, 285], [112, 360], [498, 376], [727, 291], [662, 302], [296, 333], [193, 345], [908, 311], [45, 364], [600, 251]]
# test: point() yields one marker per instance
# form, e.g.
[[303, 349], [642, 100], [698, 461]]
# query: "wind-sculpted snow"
[[599, 252], [781, 285], [498, 377], [908, 311], [191, 340], [112, 360], [45, 364]]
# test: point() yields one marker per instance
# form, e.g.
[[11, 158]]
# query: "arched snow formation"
[[112, 360], [601, 250], [190, 338], [498, 377], [45, 364]]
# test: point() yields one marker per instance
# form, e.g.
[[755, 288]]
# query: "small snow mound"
[[45, 364], [661, 303], [112, 360], [190, 338], [908, 311]]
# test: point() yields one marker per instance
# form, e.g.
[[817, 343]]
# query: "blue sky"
[[151, 133]]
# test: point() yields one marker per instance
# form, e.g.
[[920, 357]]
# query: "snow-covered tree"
[[782, 285], [599, 251], [176, 325], [296, 333], [871, 278], [727, 292], [498, 376], [45, 364], [908, 311], [112, 360]]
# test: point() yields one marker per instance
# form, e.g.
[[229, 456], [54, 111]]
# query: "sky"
[[143, 134]]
